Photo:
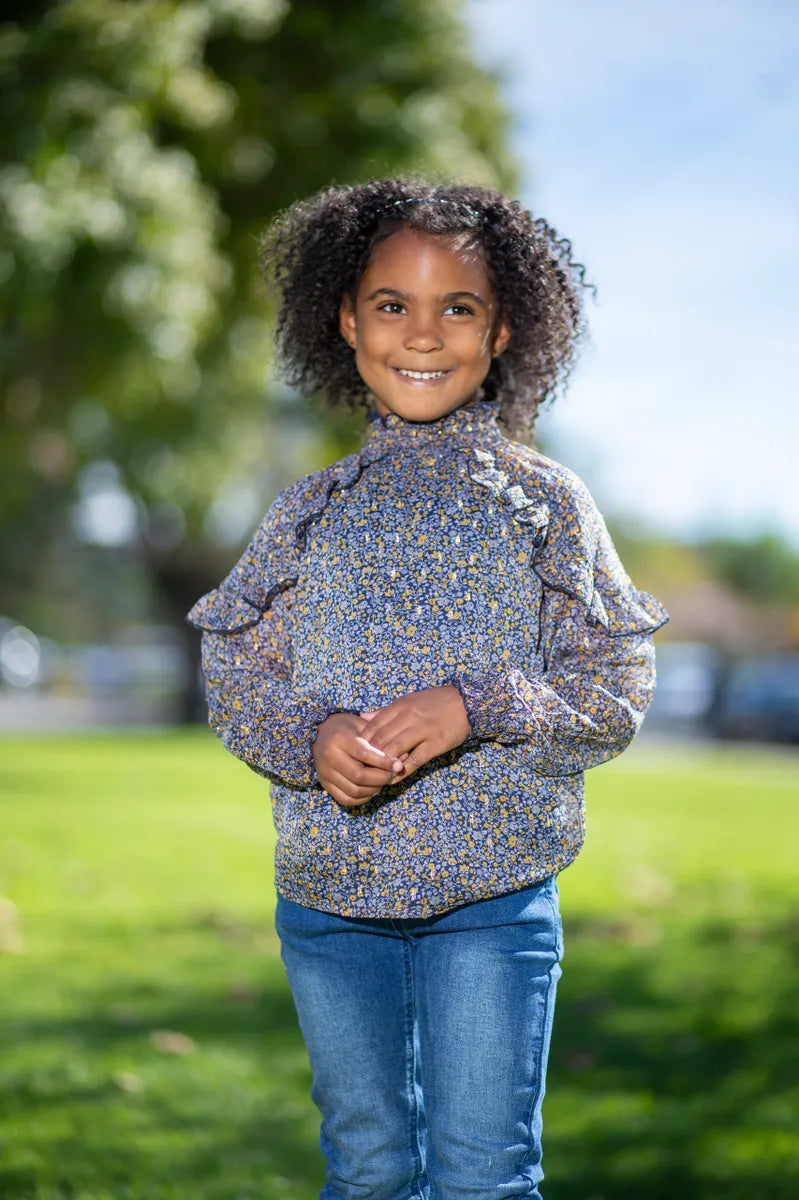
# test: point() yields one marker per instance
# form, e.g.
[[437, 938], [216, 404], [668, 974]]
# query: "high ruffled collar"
[[480, 415]]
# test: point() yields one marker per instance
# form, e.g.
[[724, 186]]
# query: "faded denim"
[[428, 1040]]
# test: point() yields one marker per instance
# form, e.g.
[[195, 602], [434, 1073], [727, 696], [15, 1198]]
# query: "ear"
[[346, 320], [501, 338]]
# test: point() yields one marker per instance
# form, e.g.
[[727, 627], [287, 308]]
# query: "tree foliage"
[[764, 567], [144, 146]]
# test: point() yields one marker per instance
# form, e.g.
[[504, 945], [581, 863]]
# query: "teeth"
[[422, 374]]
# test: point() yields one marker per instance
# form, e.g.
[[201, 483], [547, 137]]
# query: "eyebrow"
[[451, 297]]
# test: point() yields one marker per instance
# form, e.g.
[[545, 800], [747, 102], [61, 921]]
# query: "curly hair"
[[317, 250]]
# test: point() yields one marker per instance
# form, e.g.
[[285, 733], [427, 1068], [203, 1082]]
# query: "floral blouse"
[[440, 553]]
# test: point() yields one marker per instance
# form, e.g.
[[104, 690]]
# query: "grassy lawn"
[[149, 1046]]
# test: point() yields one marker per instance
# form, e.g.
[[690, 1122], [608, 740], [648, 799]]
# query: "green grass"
[[140, 872]]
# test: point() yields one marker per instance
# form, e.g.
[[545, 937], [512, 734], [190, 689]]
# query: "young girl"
[[423, 648]]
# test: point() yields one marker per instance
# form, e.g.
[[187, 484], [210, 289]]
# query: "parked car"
[[688, 675], [138, 679], [759, 700]]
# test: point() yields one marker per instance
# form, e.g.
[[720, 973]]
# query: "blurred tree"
[[144, 146], [764, 568]]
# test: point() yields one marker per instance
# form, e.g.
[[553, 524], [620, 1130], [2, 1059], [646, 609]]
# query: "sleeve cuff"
[[475, 691], [311, 712]]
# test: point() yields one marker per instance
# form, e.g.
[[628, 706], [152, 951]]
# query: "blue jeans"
[[428, 1041]]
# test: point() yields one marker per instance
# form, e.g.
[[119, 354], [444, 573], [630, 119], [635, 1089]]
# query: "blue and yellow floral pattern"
[[440, 553]]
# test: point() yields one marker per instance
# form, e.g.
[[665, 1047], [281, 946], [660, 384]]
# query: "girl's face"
[[424, 324]]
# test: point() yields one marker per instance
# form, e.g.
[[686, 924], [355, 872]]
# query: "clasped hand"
[[356, 755]]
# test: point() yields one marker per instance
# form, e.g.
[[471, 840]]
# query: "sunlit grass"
[[139, 875]]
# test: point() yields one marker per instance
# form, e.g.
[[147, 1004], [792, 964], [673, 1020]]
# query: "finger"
[[372, 727], [358, 775], [367, 752], [355, 776], [377, 717], [406, 764], [399, 738], [341, 797], [421, 754], [384, 725], [346, 793]]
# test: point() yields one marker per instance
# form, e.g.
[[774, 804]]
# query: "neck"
[[475, 414]]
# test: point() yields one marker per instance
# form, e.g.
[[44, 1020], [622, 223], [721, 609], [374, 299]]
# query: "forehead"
[[411, 260]]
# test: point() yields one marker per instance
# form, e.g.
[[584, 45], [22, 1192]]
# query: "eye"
[[459, 310], [391, 306]]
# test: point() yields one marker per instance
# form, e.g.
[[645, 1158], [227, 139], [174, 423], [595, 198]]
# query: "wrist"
[[473, 691], [460, 716], [319, 735]]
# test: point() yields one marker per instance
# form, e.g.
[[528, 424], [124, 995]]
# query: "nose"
[[423, 334]]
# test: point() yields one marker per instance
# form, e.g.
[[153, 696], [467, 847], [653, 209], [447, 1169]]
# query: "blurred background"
[[143, 148]]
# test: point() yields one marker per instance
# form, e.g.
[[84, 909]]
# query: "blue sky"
[[661, 138]]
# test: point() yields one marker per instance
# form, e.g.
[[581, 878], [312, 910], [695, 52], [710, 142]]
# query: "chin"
[[424, 408], [423, 412]]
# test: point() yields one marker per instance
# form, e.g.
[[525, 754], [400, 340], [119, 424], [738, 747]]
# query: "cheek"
[[373, 338], [368, 358], [478, 345]]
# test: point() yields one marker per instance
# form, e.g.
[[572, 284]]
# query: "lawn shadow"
[[675, 1062], [152, 1092], [673, 1072]]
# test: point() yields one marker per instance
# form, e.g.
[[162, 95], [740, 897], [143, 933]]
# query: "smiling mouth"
[[423, 376]]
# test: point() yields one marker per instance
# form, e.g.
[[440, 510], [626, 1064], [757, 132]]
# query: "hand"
[[350, 769], [419, 726]]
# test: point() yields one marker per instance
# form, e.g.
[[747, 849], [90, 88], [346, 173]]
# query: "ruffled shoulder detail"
[[624, 610], [339, 477], [272, 561], [570, 548], [221, 611]]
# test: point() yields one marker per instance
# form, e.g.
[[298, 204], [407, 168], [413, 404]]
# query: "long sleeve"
[[598, 676], [247, 659], [439, 553]]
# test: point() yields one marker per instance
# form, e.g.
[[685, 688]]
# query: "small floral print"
[[440, 553]]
